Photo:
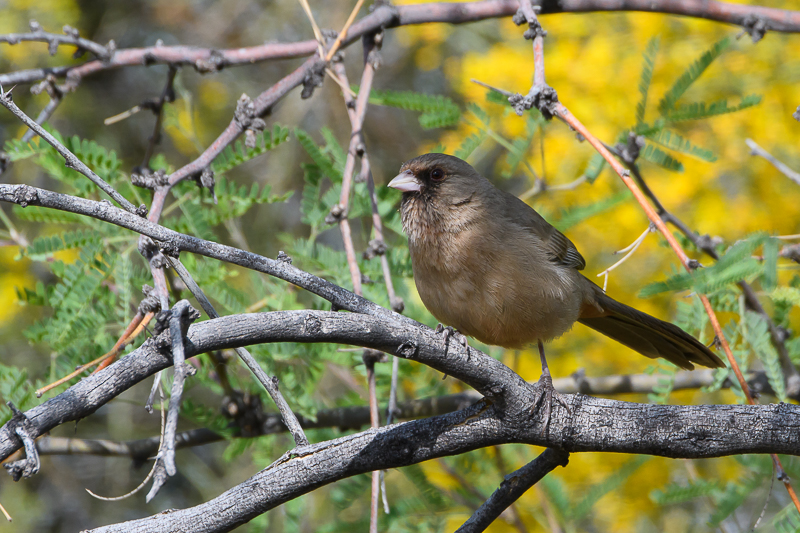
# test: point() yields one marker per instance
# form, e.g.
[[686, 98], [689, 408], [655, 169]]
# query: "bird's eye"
[[437, 174]]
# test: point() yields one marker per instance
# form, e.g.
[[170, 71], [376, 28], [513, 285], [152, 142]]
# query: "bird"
[[490, 266]]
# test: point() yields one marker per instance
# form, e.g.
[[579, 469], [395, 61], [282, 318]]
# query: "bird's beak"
[[406, 182]]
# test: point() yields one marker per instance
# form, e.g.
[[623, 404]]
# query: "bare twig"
[[783, 168], [56, 95], [343, 33], [513, 486], [631, 249], [70, 37], [157, 106], [270, 383], [70, 160], [370, 357], [153, 469]]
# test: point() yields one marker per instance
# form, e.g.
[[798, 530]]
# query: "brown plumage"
[[489, 265]]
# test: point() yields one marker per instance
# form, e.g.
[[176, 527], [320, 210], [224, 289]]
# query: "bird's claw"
[[545, 394], [451, 332]]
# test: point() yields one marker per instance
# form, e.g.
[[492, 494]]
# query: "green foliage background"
[[688, 86]]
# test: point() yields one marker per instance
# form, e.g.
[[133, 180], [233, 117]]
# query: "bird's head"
[[445, 178], [440, 193]]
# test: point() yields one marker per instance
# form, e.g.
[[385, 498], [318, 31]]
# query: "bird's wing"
[[558, 247]]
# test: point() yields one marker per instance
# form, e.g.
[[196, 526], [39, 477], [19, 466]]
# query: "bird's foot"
[[543, 400], [451, 332]]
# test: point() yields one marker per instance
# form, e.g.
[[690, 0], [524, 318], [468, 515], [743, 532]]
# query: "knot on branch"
[[49, 86], [407, 350], [147, 179], [214, 63], [707, 242], [534, 30], [755, 26], [312, 325], [375, 248], [283, 257], [336, 214], [25, 195], [151, 303], [544, 98], [245, 117], [629, 152], [313, 79], [142, 210], [170, 249], [150, 251], [205, 180], [26, 432]]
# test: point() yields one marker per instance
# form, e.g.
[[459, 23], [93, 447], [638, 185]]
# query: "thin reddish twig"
[[558, 109]]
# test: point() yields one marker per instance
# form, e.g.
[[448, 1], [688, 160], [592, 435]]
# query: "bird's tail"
[[648, 335]]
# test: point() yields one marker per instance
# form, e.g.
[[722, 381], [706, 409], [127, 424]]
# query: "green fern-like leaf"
[[661, 158], [769, 280], [470, 144], [735, 265], [787, 520], [15, 388], [333, 148], [18, 150], [647, 76], [665, 382], [437, 111], [676, 493], [51, 216], [701, 110], [673, 141], [593, 169], [789, 295], [732, 498], [558, 496], [691, 75], [758, 337], [575, 215], [43, 248], [233, 156], [320, 158], [480, 114]]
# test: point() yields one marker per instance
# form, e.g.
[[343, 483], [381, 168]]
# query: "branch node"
[[313, 79], [376, 247], [755, 26], [629, 152], [336, 214], [283, 257], [21, 426], [544, 98], [214, 63], [151, 303]]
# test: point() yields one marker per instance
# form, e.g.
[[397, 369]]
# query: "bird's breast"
[[494, 284]]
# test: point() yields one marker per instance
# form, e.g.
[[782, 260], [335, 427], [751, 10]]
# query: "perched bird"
[[489, 265]]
